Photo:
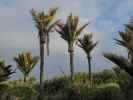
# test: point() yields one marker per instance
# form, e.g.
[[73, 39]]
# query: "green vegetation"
[[125, 63], [44, 23], [70, 32], [25, 63], [61, 88], [5, 71], [87, 45], [115, 84]]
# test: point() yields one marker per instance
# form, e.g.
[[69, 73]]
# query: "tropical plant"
[[86, 43], [45, 24], [125, 63], [5, 71], [25, 63], [70, 32]]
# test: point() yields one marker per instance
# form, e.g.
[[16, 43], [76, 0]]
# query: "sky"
[[18, 32]]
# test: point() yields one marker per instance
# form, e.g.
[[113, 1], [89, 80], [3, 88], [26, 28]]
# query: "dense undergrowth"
[[107, 85]]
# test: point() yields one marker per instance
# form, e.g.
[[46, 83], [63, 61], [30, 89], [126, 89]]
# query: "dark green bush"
[[56, 85], [106, 76], [104, 92], [62, 89], [109, 91], [24, 93]]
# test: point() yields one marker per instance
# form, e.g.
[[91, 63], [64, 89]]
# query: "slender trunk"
[[25, 78], [89, 68], [41, 70], [47, 45], [71, 54]]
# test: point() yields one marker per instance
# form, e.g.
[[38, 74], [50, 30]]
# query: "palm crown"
[[69, 31], [45, 23], [26, 62], [126, 38], [86, 43], [127, 42]]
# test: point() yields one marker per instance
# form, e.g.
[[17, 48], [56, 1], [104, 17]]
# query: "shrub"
[[103, 92], [56, 85], [106, 76]]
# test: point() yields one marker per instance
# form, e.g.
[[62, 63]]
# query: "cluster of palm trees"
[[69, 31]]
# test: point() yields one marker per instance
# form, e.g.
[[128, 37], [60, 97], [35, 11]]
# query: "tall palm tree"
[[126, 41], [87, 44], [45, 24], [25, 63], [5, 71], [69, 31]]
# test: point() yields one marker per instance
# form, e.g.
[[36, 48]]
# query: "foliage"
[[23, 90], [86, 43], [26, 62], [45, 24], [106, 76], [110, 87], [125, 63], [105, 92], [5, 71], [125, 82], [70, 32], [56, 85]]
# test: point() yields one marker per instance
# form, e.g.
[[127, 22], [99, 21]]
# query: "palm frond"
[[5, 71], [26, 62], [45, 24], [129, 27], [120, 61], [86, 43], [82, 28], [69, 31]]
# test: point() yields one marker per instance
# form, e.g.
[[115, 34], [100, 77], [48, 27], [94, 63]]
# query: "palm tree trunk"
[[41, 70], [89, 68], [71, 54], [25, 78]]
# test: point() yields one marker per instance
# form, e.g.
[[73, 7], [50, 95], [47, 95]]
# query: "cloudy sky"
[[19, 34]]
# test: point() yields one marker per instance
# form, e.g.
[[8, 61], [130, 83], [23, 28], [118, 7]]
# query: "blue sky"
[[19, 34]]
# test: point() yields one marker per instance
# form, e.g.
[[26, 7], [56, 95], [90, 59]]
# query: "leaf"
[[81, 28]]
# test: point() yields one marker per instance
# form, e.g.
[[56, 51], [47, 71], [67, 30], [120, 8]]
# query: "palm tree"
[[69, 31], [25, 63], [45, 24], [126, 41], [86, 43], [5, 71]]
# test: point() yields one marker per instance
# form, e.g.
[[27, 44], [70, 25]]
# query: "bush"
[[62, 89], [25, 91], [55, 85], [103, 92], [109, 91], [106, 76]]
